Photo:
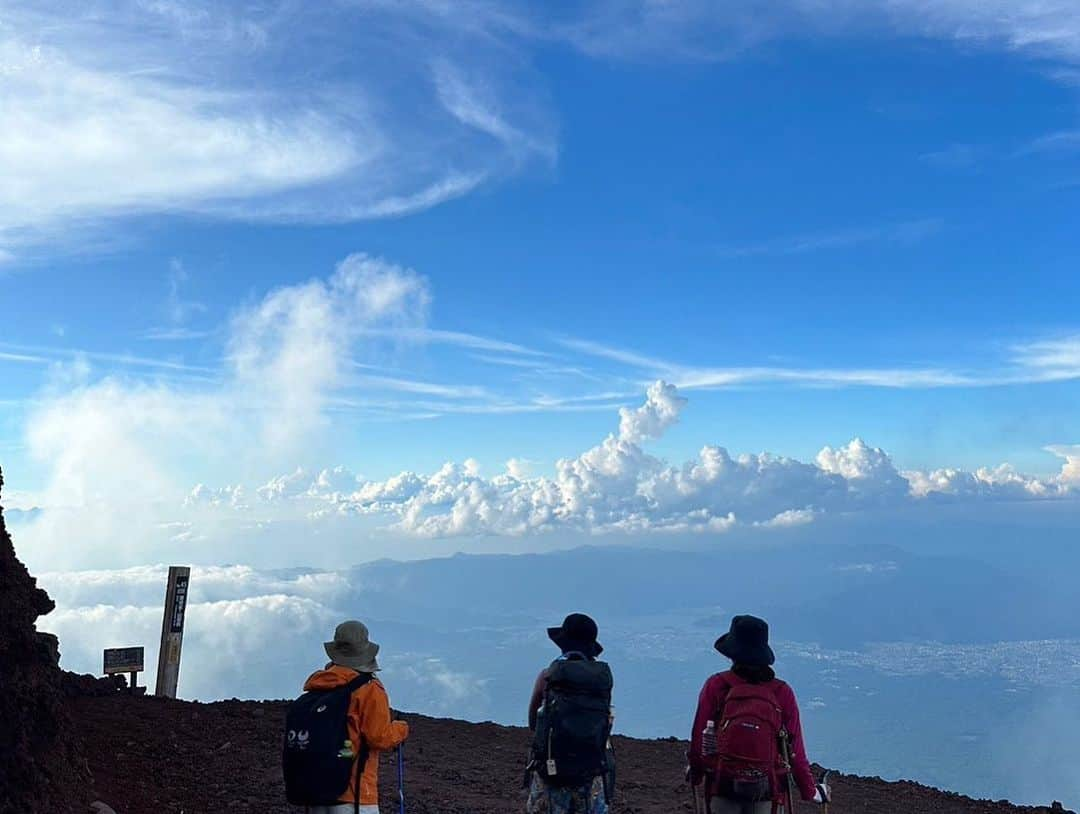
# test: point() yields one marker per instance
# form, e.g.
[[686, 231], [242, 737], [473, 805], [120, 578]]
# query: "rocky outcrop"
[[41, 764]]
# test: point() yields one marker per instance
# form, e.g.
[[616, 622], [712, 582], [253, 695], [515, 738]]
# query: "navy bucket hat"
[[577, 633]]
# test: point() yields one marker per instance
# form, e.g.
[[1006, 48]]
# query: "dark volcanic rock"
[[41, 767], [77, 685]]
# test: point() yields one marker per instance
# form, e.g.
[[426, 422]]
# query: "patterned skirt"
[[545, 799]]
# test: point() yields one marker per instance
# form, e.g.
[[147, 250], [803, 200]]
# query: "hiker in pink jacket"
[[746, 719]]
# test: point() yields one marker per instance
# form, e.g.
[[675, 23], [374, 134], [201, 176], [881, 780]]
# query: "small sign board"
[[123, 660]]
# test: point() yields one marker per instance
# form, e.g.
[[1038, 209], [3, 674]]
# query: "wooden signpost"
[[172, 631], [124, 660]]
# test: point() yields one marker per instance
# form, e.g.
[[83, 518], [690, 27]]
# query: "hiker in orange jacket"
[[351, 653]]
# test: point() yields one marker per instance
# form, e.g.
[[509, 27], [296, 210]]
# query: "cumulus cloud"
[[1070, 471], [660, 410], [1002, 482], [616, 487], [118, 452]]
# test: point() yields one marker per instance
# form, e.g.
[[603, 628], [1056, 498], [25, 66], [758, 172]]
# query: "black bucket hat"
[[577, 633], [747, 642]]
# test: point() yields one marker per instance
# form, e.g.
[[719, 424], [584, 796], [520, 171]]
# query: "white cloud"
[[617, 488], [905, 233], [519, 468], [1070, 471], [660, 410], [706, 31], [1055, 359], [271, 633], [271, 625], [1002, 481], [867, 470], [127, 107], [789, 518], [119, 453], [1026, 363]]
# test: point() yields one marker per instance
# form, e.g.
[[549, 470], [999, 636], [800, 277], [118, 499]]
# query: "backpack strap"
[[358, 682]]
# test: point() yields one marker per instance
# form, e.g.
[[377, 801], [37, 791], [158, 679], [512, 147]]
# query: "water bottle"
[[708, 739], [346, 751]]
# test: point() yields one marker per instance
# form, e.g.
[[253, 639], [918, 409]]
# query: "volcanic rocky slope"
[[41, 765], [152, 755]]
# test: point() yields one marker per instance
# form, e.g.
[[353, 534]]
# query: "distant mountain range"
[[838, 595]]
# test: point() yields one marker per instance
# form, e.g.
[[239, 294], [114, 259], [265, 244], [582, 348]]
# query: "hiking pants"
[[718, 805]]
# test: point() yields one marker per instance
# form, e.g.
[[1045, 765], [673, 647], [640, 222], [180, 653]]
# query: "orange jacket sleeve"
[[376, 728]]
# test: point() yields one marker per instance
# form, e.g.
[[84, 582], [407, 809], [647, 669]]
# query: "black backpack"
[[571, 740], [316, 764]]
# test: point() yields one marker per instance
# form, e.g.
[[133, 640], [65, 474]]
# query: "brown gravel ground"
[[155, 756]]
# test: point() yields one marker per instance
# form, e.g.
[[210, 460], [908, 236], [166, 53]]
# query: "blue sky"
[[819, 224]]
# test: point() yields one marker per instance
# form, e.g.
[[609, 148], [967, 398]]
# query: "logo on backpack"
[[317, 769], [297, 740], [571, 741]]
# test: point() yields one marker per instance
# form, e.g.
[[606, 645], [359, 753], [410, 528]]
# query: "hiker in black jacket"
[[570, 716]]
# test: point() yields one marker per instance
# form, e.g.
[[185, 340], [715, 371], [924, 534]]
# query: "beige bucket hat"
[[352, 648]]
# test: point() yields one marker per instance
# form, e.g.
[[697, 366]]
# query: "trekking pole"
[[825, 785], [401, 776], [785, 750], [698, 807]]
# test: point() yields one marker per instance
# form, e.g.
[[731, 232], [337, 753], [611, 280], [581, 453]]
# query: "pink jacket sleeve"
[[709, 703], [800, 765]]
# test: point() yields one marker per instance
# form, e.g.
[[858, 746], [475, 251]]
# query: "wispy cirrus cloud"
[[957, 156], [691, 377], [309, 112], [461, 339], [179, 310], [126, 108], [51, 355], [708, 31], [1061, 141], [1031, 362], [1053, 359], [902, 233]]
